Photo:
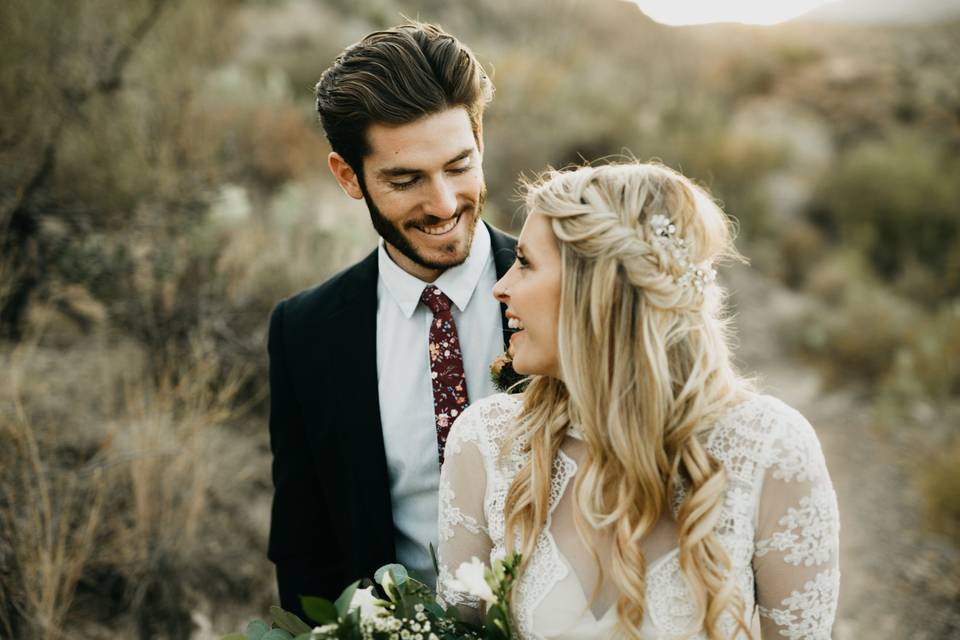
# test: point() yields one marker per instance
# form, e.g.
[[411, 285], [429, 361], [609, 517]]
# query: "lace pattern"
[[808, 613], [546, 568], [779, 521], [809, 533], [451, 515]]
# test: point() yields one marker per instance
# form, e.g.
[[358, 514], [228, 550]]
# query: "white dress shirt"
[[405, 390]]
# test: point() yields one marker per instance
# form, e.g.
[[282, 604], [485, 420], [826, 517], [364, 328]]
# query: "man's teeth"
[[436, 231], [514, 323]]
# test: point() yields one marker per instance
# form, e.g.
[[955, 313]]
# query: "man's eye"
[[459, 170], [403, 184]]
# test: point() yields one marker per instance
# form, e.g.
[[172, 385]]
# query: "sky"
[[686, 12]]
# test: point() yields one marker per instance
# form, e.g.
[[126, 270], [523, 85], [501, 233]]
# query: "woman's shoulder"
[[486, 420], [773, 434]]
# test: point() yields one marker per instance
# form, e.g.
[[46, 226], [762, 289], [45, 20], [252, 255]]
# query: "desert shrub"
[[898, 201], [939, 481], [102, 93], [927, 366], [695, 137], [840, 270], [134, 511], [856, 340], [863, 334], [800, 247]]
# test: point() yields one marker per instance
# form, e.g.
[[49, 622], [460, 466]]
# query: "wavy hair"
[[645, 371]]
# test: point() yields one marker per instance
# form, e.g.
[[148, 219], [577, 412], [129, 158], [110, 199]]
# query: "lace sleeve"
[[796, 552], [463, 530]]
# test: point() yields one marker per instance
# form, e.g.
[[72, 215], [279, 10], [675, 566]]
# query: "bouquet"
[[407, 610]]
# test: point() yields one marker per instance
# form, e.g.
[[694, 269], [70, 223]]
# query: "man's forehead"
[[431, 140]]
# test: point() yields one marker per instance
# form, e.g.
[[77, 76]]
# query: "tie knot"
[[436, 300]]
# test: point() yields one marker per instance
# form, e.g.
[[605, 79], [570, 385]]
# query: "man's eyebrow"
[[460, 156], [393, 172]]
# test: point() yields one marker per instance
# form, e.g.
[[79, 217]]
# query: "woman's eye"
[[459, 170], [522, 262]]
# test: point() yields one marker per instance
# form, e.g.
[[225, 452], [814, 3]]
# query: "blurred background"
[[163, 184]]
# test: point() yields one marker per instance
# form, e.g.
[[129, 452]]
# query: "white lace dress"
[[779, 525]]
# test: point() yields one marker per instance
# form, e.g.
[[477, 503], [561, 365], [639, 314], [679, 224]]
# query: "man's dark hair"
[[395, 77]]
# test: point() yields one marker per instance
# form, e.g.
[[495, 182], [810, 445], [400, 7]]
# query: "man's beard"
[[393, 235]]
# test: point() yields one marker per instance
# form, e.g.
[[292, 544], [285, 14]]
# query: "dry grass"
[[128, 498], [50, 519], [137, 490]]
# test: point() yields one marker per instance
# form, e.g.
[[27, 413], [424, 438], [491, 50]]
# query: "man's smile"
[[439, 229]]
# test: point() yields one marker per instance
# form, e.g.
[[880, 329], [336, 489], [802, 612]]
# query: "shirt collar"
[[458, 283]]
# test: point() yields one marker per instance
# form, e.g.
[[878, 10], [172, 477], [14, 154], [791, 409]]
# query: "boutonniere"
[[505, 379]]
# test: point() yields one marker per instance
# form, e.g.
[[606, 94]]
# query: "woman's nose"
[[500, 288]]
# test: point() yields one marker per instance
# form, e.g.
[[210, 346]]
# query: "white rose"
[[469, 579], [368, 603]]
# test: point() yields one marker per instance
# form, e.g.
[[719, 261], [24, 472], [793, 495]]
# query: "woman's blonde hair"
[[645, 371]]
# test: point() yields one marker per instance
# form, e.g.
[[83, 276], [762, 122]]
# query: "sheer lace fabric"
[[779, 525]]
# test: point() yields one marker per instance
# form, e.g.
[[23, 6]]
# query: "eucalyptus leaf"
[[278, 634], [343, 602], [288, 621], [256, 630], [417, 588], [319, 610], [398, 571]]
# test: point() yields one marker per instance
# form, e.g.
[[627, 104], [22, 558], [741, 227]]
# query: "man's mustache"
[[430, 221]]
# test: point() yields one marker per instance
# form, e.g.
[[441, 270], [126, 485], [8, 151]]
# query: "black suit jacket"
[[332, 519]]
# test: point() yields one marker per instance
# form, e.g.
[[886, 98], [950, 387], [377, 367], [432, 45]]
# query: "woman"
[[651, 492]]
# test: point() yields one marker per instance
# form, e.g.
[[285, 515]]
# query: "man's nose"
[[443, 199]]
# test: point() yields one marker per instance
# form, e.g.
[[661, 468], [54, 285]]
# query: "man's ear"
[[345, 175]]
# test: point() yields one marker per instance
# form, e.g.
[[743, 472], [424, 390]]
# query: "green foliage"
[[319, 610], [927, 364], [256, 629], [897, 200], [342, 604], [288, 621], [836, 339], [410, 606], [870, 336]]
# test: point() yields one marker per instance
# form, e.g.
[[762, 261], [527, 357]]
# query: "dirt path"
[[898, 580]]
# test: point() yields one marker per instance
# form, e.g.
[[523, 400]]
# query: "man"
[[369, 369]]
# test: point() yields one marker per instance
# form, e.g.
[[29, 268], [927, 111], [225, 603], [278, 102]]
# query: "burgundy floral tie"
[[446, 365]]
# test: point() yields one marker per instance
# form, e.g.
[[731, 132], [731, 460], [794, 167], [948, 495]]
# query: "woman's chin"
[[525, 368], [519, 366]]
